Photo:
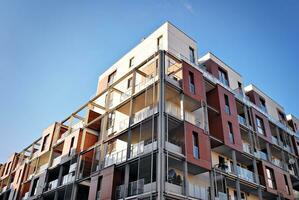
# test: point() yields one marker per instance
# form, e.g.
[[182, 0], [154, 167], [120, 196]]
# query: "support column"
[[268, 152], [161, 125], [236, 172], [212, 186], [257, 180], [126, 181]]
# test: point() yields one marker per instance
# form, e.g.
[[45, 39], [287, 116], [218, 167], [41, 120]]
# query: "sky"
[[52, 51]]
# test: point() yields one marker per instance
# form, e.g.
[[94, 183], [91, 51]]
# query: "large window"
[[227, 108], [223, 76], [260, 125], [270, 178], [111, 78], [195, 145], [110, 121], [191, 83], [231, 133], [191, 55]]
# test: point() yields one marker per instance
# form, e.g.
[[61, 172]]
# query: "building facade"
[[163, 124]]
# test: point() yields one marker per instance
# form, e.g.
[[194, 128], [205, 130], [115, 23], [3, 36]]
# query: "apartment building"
[[163, 124]]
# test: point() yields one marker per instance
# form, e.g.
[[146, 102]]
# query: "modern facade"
[[163, 124]]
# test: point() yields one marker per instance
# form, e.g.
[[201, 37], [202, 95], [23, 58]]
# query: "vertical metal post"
[[161, 124], [236, 172]]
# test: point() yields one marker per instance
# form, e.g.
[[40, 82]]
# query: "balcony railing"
[[53, 184], [120, 192], [69, 178], [246, 148], [261, 155], [246, 174], [118, 127], [198, 191], [116, 157], [148, 81], [56, 161], [142, 147], [173, 110], [144, 113], [191, 118], [136, 187], [274, 140], [277, 162], [242, 120]]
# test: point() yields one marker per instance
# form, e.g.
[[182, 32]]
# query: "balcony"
[[118, 127], [144, 113], [173, 79], [224, 81], [148, 81], [242, 120], [191, 118], [261, 155], [52, 185], [173, 110], [173, 146], [245, 174], [56, 161], [198, 191], [274, 140], [69, 178], [116, 157], [136, 187], [246, 148], [277, 162], [142, 148]]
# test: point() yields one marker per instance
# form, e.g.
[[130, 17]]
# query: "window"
[[240, 89], [286, 184], [160, 42], [129, 84], [34, 187], [191, 83], [111, 78], [260, 125], [227, 108], [110, 121], [231, 133], [195, 145], [270, 178], [72, 145], [191, 55], [223, 76], [131, 62], [45, 142], [263, 104], [281, 116]]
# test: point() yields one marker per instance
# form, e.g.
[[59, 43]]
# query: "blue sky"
[[52, 51]]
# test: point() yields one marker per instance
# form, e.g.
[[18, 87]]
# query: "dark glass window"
[[191, 83], [227, 108], [231, 133], [195, 145], [191, 55], [260, 125]]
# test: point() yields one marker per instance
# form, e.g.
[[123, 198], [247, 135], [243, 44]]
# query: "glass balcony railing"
[[261, 155], [116, 157], [173, 110], [52, 185], [277, 162], [245, 174], [118, 126], [275, 140], [191, 118], [120, 192], [198, 192], [242, 120], [142, 147], [144, 113], [246, 148], [136, 187], [148, 81]]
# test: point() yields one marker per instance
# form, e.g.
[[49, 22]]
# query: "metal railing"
[[116, 157], [145, 113], [191, 118], [198, 191], [173, 110], [242, 120], [245, 174], [136, 187]]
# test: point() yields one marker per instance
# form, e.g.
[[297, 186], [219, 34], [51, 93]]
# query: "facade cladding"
[[164, 124]]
